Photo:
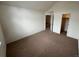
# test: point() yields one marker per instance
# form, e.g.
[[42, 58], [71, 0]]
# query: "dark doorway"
[[48, 18], [65, 23]]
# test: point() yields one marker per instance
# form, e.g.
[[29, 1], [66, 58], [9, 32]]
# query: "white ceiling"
[[36, 5]]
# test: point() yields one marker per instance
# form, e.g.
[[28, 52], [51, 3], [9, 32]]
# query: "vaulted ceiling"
[[36, 5]]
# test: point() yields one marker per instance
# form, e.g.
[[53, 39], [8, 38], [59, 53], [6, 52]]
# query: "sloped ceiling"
[[36, 5]]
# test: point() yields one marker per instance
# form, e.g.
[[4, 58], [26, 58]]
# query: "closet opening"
[[65, 23]]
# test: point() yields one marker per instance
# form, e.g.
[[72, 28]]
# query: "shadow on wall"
[[2, 44]]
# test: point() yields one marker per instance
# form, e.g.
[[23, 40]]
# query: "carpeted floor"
[[43, 44]]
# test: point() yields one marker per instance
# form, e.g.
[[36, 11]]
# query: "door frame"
[[51, 20], [68, 21]]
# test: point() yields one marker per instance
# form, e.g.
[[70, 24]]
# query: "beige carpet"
[[43, 44]]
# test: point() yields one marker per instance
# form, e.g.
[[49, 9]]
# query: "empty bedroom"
[[39, 28]]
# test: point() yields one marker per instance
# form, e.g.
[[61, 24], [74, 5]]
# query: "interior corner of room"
[[19, 21]]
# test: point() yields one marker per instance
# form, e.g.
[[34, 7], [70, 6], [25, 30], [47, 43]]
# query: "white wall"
[[61, 8], [2, 44], [19, 22], [57, 23]]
